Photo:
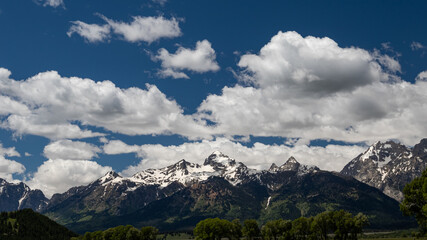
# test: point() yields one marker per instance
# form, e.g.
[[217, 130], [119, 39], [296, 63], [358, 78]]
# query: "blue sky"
[[89, 86]]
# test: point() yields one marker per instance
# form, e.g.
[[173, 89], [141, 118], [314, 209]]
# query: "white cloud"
[[91, 32], [311, 88], [417, 46], [58, 107], [310, 65], [388, 62], [141, 29], [201, 59], [259, 156], [9, 167], [57, 176], [52, 3], [169, 72], [70, 150], [422, 76], [161, 2], [146, 29]]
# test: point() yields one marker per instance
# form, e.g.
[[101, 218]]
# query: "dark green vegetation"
[[295, 196], [121, 233], [415, 201], [343, 225], [27, 224]]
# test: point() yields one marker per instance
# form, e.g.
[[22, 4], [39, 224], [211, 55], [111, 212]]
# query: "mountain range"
[[176, 197]]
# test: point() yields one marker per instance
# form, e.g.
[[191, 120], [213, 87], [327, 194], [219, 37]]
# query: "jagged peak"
[[180, 164], [273, 167], [420, 149], [112, 174], [290, 165], [109, 176], [385, 152], [218, 157], [291, 160]]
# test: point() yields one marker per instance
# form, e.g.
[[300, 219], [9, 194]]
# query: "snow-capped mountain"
[[293, 165], [389, 166], [186, 173], [19, 196], [117, 195]]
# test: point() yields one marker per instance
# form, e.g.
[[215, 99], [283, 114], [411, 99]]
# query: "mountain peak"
[[420, 149], [109, 176], [384, 152], [290, 165], [291, 160], [218, 159], [273, 167]]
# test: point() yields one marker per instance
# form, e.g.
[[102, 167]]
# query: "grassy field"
[[396, 235], [395, 238]]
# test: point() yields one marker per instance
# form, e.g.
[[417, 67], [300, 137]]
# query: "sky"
[[92, 86]]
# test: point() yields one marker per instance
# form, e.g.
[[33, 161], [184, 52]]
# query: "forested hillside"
[[28, 225]]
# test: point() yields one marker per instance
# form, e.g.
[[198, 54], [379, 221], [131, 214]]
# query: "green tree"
[[277, 229], [415, 201], [301, 228], [343, 221], [149, 233], [236, 229], [322, 225], [250, 229], [359, 221], [213, 229]]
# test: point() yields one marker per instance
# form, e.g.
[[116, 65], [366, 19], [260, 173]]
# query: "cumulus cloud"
[[201, 59], [388, 62], [310, 88], [58, 107], [91, 32], [259, 156], [146, 29], [57, 176], [71, 150], [422, 76], [310, 65], [9, 167]]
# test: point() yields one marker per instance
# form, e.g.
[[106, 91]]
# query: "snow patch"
[[268, 202]]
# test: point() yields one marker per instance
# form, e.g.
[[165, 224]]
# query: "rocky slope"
[[19, 196], [389, 166]]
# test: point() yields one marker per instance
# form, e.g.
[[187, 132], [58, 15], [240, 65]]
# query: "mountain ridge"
[[389, 166]]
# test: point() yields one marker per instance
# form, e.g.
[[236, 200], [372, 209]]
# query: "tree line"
[[340, 224], [121, 233]]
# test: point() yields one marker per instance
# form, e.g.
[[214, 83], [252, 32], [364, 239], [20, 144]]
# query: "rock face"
[[178, 196], [389, 166], [19, 196]]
